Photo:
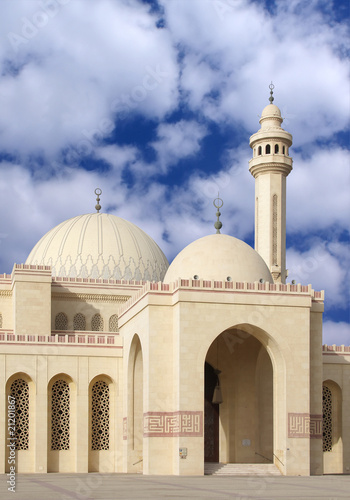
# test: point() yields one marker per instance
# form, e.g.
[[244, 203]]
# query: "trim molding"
[[91, 297]]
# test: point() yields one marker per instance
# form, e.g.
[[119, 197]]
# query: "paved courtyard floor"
[[138, 487]]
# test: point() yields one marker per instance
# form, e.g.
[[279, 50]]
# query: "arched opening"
[[61, 321], [268, 149], [113, 323], [332, 428], [135, 407], [101, 429], [276, 148], [20, 423], [79, 322], [97, 323], [259, 150], [61, 424], [211, 416], [241, 428]]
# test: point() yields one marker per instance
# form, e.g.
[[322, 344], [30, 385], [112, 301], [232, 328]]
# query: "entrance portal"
[[211, 417], [245, 417]]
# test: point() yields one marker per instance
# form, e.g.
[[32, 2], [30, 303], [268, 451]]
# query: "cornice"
[[90, 297]]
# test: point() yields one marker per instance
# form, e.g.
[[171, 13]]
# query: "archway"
[[101, 428], [61, 456], [135, 407], [242, 425], [332, 428], [211, 416], [20, 424]]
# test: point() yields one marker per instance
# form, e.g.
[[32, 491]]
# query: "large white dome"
[[100, 245], [218, 257]]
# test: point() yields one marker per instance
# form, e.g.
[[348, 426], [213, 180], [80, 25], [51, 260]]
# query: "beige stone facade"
[[101, 371]]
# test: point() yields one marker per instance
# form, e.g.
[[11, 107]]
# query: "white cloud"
[[176, 141], [326, 266], [234, 56], [79, 71], [118, 157], [93, 64], [318, 190], [336, 333]]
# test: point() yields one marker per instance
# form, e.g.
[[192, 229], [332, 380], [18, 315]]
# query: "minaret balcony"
[[272, 163]]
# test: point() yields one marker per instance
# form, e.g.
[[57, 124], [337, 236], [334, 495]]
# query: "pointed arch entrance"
[[135, 407], [240, 429], [211, 416]]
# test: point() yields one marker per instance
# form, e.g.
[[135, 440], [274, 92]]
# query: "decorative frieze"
[[90, 297], [304, 425], [173, 424]]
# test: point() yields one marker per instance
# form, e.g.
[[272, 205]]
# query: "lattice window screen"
[[100, 416], [97, 323], [113, 323], [20, 392], [60, 405], [61, 321], [79, 322], [327, 419]]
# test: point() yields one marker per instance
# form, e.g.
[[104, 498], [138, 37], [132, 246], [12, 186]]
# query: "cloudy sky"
[[154, 102]]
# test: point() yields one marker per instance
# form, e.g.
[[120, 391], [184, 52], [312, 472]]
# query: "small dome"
[[271, 110], [271, 117], [218, 257], [100, 245]]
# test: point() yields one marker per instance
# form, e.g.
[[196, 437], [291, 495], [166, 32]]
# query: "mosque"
[[114, 361]]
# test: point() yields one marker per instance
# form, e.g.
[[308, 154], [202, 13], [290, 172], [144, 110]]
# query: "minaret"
[[270, 166]]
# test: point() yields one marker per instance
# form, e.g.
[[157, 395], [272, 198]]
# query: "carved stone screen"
[[61, 321], [327, 419], [60, 416], [100, 416], [113, 323], [97, 323], [79, 322], [20, 392]]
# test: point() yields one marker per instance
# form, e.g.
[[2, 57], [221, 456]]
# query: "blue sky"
[[154, 102]]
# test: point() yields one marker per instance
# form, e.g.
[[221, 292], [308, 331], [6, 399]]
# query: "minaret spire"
[[218, 203], [98, 192], [270, 167]]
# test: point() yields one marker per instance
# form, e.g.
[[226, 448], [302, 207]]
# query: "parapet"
[[225, 286]]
